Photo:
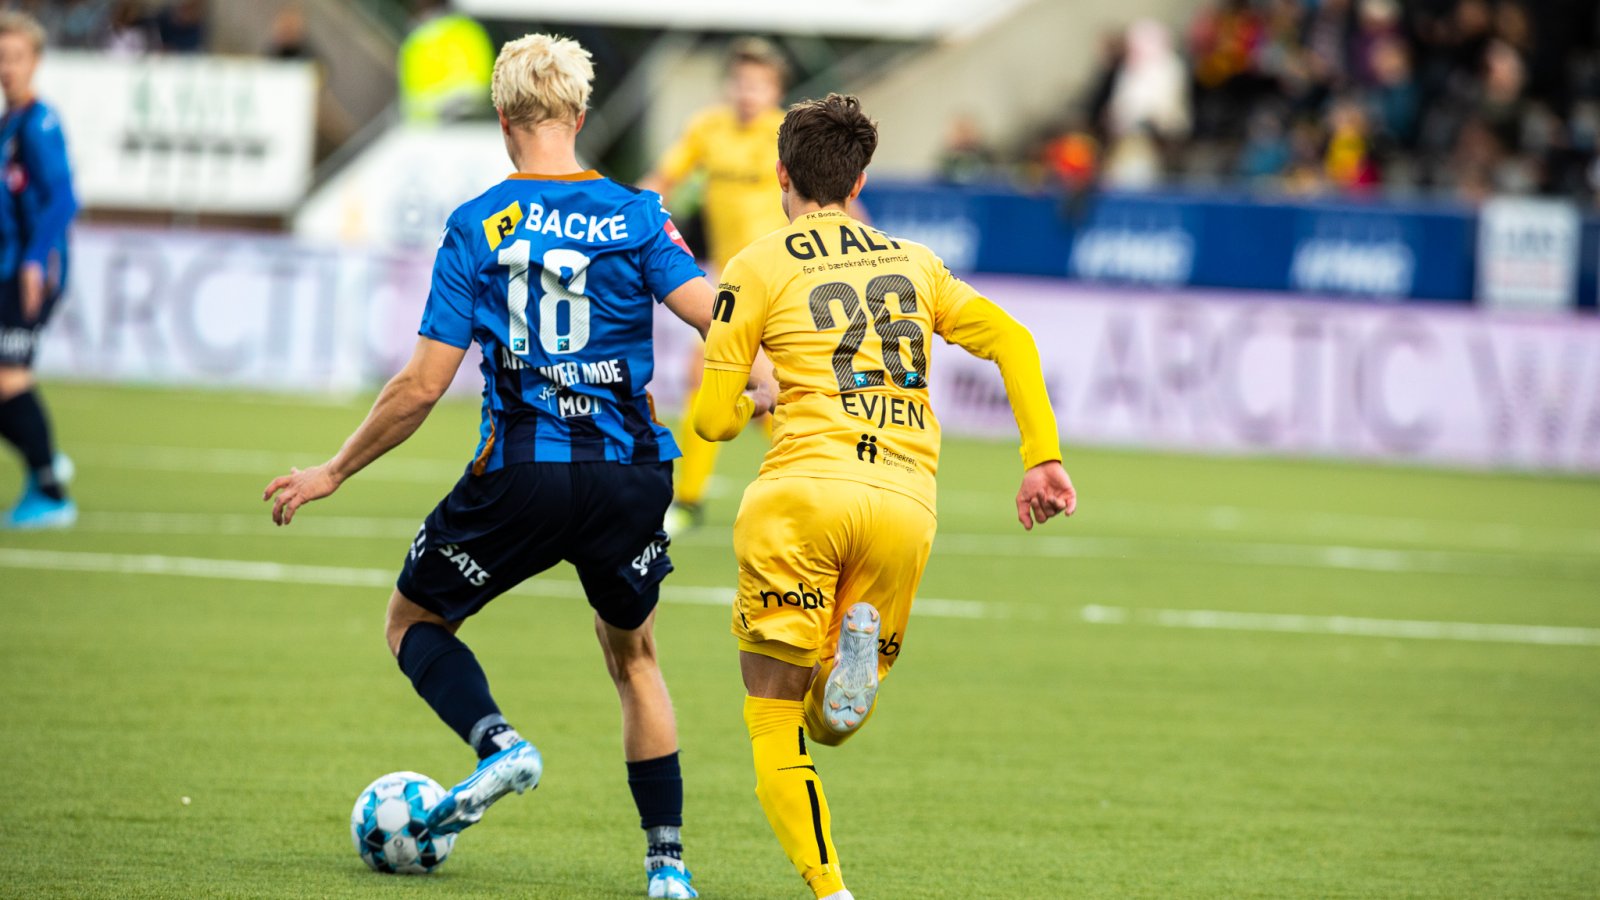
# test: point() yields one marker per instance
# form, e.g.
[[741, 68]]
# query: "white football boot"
[[516, 768], [669, 881], [851, 687]]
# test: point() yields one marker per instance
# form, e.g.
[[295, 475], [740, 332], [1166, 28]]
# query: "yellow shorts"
[[810, 548]]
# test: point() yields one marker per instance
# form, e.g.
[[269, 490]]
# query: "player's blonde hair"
[[540, 77], [13, 22]]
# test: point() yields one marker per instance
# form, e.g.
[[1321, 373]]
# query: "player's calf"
[[650, 740], [24, 424], [446, 674]]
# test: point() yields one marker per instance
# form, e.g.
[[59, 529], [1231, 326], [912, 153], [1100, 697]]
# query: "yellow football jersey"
[[742, 198], [846, 314]]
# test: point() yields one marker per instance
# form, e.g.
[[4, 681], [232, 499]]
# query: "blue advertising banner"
[[1371, 250]]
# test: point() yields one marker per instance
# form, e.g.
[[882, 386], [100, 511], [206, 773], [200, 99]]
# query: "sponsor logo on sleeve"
[[677, 238]]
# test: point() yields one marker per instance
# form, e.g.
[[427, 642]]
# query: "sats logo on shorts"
[[802, 596], [470, 570], [656, 549]]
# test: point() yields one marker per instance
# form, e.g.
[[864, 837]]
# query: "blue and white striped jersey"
[[556, 278]]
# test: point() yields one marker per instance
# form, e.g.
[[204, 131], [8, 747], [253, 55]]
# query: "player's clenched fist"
[[1046, 490], [299, 487]]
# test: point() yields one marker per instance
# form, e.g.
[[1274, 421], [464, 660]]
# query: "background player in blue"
[[35, 211], [554, 272]]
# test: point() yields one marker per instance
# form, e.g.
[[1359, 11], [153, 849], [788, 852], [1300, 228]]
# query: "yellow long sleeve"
[[721, 407], [985, 330]]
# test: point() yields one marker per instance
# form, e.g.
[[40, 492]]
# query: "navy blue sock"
[[447, 675], [657, 786], [24, 424]]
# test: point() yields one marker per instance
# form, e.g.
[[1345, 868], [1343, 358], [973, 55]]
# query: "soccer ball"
[[389, 826]]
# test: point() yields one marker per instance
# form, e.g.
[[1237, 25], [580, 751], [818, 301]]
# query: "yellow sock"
[[699, 458], [790, 791]]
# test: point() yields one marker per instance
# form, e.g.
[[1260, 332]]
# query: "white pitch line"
[[309, 523], [1328, 526], [347, 576], [313, 523], [1210, 619], [264, 464], [1252, 553], [1224, 519], [350, 576]]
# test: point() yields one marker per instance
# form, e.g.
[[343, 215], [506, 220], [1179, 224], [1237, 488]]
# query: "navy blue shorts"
[[495, 531], [19, 338]]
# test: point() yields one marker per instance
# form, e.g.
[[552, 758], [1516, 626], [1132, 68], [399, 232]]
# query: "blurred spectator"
[[1460, 97], [123, 27], [1135, 161], [1512, 26], [287, 39], [966, 158], [1327, 42], [1222, 46], [132, 32], [445, 65], [72, 23], [1304, 175], [1113, 51], [1378, 25], [182, 26], [1500, 104], [1266, 149], [1151, 90], [1396, 99], [1073, 158], [1463, 38], [1223, 42], [1349, 162], [1476, 156]]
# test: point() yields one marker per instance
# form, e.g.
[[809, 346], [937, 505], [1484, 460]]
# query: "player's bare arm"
[[692, 303], [762, 387], [400, 409]]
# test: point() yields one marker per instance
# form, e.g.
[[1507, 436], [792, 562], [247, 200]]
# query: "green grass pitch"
[[1195, 688]]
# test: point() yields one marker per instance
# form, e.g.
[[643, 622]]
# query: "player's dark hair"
[[826, 144]]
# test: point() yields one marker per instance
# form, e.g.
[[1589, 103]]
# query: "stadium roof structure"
[[882, 19]]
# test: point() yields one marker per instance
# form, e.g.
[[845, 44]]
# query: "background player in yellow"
[[734, 146], [833, 535]]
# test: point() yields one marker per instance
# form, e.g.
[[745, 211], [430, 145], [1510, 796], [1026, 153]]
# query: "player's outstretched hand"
[[299, 487], [1046, 491]]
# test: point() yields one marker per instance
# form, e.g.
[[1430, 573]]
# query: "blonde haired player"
[[734, 145], [833, 535], [555, 273]]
